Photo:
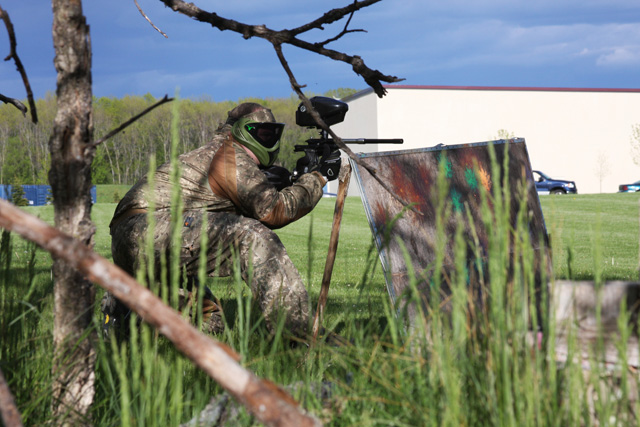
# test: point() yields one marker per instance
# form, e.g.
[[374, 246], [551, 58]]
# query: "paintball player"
[[232, 188]]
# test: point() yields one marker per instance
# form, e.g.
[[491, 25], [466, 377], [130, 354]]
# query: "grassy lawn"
[[592, 236], [446, 375], [598, 232]]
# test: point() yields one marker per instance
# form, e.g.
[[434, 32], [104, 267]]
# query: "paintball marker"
[[317, 150]]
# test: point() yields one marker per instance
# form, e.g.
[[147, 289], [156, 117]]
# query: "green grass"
[[599, 230], [576, 223], [111, 193], [441, 372]]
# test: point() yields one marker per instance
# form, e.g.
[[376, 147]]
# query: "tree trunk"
[[70, 179]]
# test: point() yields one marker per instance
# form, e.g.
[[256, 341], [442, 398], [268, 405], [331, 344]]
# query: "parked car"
[[547, 185], [629, 188]]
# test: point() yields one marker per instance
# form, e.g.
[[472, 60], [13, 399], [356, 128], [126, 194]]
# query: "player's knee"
[[263, 243]]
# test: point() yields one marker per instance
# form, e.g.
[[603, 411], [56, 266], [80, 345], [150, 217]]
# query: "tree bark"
[[8, 409], [70, 179]]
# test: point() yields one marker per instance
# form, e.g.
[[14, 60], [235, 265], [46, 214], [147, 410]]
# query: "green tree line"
[[124, 158]]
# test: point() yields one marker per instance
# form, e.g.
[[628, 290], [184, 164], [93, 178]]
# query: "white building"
[[581, 135]]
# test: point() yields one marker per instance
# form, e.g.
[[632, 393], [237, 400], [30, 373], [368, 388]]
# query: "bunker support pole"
[[343, 186]]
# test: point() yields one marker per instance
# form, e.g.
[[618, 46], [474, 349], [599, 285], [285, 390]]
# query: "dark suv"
[[546, 185]]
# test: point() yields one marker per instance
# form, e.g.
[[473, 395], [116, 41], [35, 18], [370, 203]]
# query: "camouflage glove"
[[278, 176]]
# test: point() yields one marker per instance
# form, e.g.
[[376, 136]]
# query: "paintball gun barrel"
[[332, 111]]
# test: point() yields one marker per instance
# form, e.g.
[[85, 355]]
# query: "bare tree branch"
[[13, 54], [8, 409], [344, 31], [270, 404], [373, 78], [19, 105], [338, 141], [130, 121], [149, 20], [332, 16]]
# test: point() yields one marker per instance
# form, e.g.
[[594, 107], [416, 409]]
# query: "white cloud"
[[510, 43], [620, 56]]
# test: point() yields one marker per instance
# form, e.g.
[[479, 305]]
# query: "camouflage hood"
[[251, 110]]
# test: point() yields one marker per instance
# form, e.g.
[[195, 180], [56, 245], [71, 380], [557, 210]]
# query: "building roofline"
[[515, 88], [496, 88]]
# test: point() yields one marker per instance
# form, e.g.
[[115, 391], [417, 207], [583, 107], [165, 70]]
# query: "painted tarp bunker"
[[401, 233]]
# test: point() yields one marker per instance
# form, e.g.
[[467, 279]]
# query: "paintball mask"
[[262, 138]]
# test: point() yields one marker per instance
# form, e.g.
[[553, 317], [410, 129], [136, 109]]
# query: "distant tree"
[[603, 167], [101, 172], [635, 144], [340, 93], [503, 134], [124, 159], [49, 198], [16, 168], [17, 196]]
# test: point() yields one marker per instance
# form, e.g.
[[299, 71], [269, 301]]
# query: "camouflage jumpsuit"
[[225, 193]]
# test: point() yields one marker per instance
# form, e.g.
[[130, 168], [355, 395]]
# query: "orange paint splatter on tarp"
[[484, 178], [410, 182]]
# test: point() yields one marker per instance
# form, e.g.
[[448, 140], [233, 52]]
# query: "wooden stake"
[[343, 186]]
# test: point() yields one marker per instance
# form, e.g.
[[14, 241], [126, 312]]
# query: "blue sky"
[[543, 43]]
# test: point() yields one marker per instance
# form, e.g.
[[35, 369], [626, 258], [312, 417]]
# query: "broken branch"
[[13, 54], [19, 105], [149, 20], [130, 121]]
